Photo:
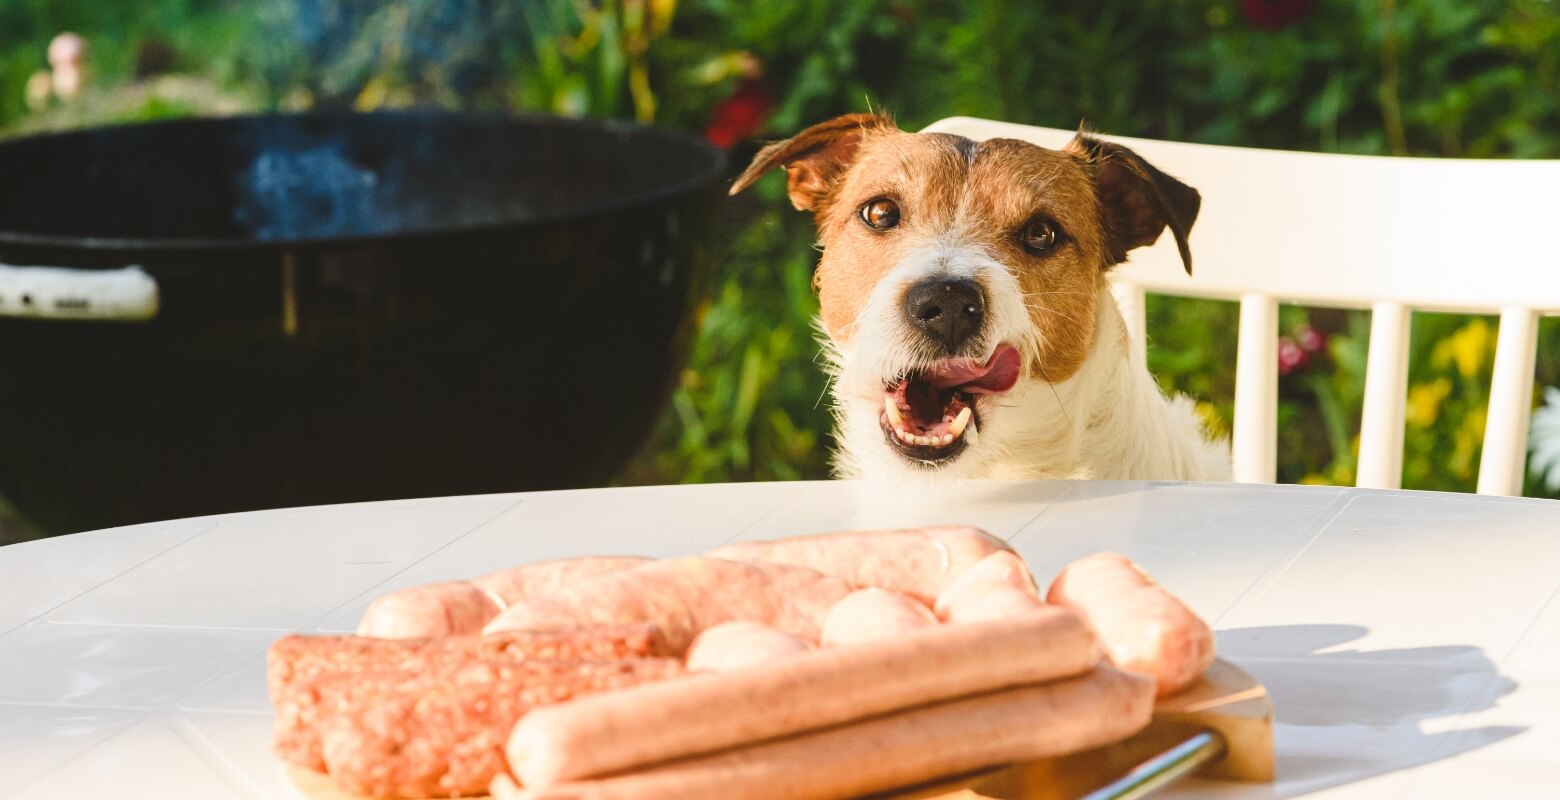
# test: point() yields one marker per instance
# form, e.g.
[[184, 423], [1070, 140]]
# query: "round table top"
[[1410, 641]]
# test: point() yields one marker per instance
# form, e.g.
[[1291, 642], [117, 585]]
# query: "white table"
[[1411, 641]]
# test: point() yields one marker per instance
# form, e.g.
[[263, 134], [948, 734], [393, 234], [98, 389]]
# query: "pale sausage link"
[[901, 749], [704, 713]]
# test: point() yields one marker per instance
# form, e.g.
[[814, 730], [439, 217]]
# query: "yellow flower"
[[1469, 348], [1424, 401]]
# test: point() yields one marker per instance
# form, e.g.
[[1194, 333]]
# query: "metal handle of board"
[[1164, 769]]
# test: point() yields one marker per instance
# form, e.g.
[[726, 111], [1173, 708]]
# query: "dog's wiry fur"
[[1083, 407]]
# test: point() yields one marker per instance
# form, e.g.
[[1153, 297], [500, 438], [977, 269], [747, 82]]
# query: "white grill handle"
[[126, 294]]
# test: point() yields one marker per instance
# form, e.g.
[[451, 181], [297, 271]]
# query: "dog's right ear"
[[814, 158]]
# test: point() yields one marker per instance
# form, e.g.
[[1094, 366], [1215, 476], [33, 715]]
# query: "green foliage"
[[1434, 77]]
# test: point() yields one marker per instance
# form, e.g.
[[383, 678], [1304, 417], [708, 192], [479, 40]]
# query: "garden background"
[[1462, 78]]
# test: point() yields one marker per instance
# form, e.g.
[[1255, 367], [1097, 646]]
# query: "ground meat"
[[297, 659], [448, 738], [417, 718]]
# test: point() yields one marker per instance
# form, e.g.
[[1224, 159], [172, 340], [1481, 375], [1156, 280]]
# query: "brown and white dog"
[[969, 321]]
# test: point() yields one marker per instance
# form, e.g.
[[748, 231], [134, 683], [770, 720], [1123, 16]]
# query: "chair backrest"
[[1394, 235]]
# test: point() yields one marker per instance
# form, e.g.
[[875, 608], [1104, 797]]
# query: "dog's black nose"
[[949, 311]]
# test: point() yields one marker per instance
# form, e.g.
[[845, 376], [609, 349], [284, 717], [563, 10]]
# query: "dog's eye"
[[1040, 235], [881, 213]]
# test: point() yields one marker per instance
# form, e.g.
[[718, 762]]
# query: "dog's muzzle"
[[930, 416]]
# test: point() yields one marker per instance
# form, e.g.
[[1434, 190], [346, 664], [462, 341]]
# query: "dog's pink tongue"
[[993, 377]]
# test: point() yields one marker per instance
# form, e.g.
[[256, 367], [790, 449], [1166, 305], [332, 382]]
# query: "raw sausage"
[[901, 749], [595, 736], [1143, 627], [867, 615], [920, 562], [683, 596], [741, 644], [456, 607], [993, 586]]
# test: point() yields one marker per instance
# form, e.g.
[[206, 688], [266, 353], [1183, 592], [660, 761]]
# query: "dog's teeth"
[[947, 439], [972, 435], [891, 408], [957, 426]]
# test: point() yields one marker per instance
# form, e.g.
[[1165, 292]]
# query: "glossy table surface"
[[1411, 641]]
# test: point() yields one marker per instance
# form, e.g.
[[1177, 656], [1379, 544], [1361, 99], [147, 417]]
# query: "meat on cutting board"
[[867, 615], [447, 737], [684, 596], [998, 585], [712, 711], [457, 607], [296, 659], [899, 749], [920, 562], [1143, 627], [739, 645]]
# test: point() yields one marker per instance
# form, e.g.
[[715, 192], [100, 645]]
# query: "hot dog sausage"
[[867, 615], [900, 749], [919, 562], [456, 607], [1143, 627], [741, 644], [595, 736], [684, 596]]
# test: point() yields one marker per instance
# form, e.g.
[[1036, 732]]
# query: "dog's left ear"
[[814, 159], [1137, 201]]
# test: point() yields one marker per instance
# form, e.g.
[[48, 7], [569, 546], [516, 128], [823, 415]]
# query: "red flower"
[[1274, 14], [741, 115], [1291, 356]]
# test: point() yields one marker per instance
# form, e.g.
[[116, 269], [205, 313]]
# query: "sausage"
[[456, 607], [920, 562], [295, 659], [683, 596], [595, 736], [1143, 627], [996, 602], [1002, 574], [901, 749], [741, 644], [867, 615], [443, 734]]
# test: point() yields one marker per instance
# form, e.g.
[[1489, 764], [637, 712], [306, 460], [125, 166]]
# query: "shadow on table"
[[1348, 715]]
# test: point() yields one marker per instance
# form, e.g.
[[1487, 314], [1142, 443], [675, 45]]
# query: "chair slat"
[[1503, 464], [1255, 435], [1386, 395], [1130, 300]]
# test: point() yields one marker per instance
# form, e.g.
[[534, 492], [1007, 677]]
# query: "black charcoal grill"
[[219, 315]]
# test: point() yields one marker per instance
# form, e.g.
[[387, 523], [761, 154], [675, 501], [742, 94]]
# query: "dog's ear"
[[813, 158], [1137, 201]]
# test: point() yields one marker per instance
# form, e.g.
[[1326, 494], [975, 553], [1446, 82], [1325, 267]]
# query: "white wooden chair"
[[1394, 235]]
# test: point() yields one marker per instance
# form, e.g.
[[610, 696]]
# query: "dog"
[[966, 309]]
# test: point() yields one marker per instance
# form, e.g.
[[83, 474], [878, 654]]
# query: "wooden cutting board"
[[1227, 700]]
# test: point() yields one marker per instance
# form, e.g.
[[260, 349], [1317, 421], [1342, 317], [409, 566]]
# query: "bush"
[[1437, 77]]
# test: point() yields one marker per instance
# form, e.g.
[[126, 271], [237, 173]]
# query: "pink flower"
[[1291, 356], [1310, 339], [741, 115], [1274, 14]]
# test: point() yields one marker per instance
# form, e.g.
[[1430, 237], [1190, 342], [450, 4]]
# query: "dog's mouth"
[[930, 415]]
